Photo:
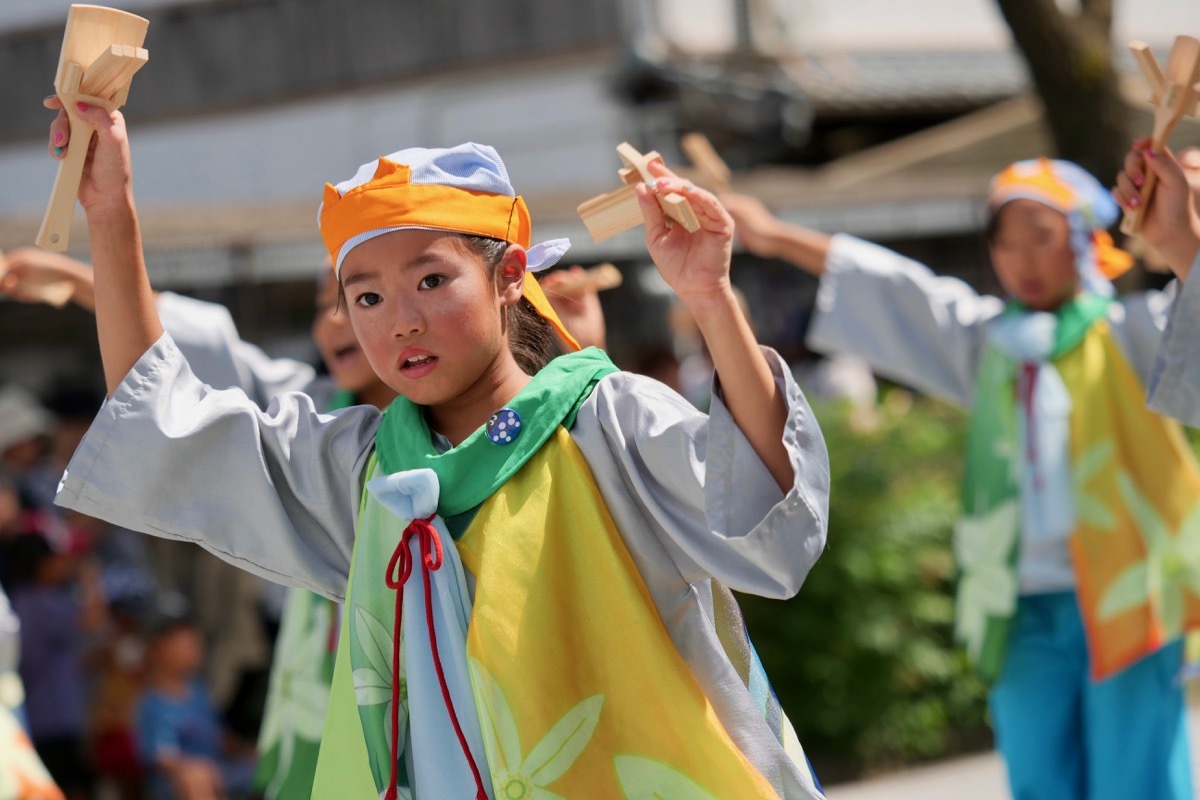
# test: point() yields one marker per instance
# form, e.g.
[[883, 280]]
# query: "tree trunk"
[[1070, 60]]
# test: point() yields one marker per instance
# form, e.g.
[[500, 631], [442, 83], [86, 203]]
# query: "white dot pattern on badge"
[[504, 426]]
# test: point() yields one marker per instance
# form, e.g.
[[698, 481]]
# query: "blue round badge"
[[504, 426]]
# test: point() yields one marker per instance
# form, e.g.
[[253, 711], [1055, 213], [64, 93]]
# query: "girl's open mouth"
[[418, 365]]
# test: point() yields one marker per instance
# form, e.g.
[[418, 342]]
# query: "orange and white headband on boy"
[[1070, 189], [463, 189]]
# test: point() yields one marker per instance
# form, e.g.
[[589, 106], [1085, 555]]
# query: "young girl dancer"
[[1076, 549], [574, 528]]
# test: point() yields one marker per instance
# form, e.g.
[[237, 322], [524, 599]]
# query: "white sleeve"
[[274, 492], [907, 323], [1174, 384], [1138, 322], [693, 482]]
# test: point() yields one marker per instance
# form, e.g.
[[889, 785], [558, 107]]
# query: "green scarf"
[[987, 537], [470, 472]]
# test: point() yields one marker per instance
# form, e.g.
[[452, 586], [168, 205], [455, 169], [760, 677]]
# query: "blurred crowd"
[[127, 645]]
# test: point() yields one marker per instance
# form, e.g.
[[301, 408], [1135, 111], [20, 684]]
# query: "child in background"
[[1172, 226], [1077, 548], [650, 501], [305, 648], [25, 428], [54, 622], [180, 737], [120, 674]]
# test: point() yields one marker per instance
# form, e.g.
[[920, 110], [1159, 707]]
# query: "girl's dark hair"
[[530, 337]]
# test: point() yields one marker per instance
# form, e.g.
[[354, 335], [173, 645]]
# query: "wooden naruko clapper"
[[101, 52], [1175, 94], [616, 212]]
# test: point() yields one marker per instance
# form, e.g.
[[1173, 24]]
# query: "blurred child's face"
[[179, 652], [427, 313], [24, 455], [334, 337], [1032, 255]]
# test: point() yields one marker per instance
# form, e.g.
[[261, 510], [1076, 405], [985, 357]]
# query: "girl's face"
[[430, 318], [334, 337], [1032, 255]]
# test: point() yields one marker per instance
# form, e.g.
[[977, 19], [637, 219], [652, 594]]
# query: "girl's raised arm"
[[126, 320], [696, 267]]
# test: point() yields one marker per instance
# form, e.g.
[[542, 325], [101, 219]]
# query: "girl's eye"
[[368, 299], [432, 281]]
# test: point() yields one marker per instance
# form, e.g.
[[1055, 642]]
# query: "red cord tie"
[[431, 560]]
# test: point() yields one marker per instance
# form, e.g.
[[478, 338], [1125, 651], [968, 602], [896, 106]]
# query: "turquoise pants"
[[1066, 737]]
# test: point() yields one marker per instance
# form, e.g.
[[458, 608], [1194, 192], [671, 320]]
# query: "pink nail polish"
[[1138, 180], [58, 137], [1135, 201], [82, 106], [1151, 152]]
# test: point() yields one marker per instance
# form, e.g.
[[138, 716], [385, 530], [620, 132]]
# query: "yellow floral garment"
[[580, 690], [1137, 546]]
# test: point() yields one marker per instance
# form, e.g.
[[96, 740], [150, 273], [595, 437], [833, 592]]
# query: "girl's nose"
[[408, 322]]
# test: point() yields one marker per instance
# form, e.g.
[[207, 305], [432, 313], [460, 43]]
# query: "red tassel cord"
[[431, 561]]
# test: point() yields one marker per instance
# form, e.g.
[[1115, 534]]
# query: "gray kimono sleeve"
[[274, 492], [209, 340], [690, 487], [907, 323], [1138, 322], [1174, 384]]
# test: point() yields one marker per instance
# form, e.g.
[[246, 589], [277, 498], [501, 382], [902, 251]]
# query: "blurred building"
[[880, 118]]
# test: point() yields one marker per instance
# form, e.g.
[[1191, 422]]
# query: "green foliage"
[[863, 659]]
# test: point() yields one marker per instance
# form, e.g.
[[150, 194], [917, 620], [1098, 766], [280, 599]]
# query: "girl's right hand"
[[107, 175], [1171, 224]]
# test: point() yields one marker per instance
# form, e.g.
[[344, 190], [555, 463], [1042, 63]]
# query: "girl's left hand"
[[694, 265]]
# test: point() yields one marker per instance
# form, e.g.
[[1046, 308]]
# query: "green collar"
[[1075, 317], [469, 473]]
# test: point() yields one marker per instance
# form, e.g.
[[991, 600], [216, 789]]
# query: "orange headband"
[[391, 200]]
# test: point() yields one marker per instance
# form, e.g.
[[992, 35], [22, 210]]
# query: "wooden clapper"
[[616, 212], [1174, 95], [101, 51], [599, 278]]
